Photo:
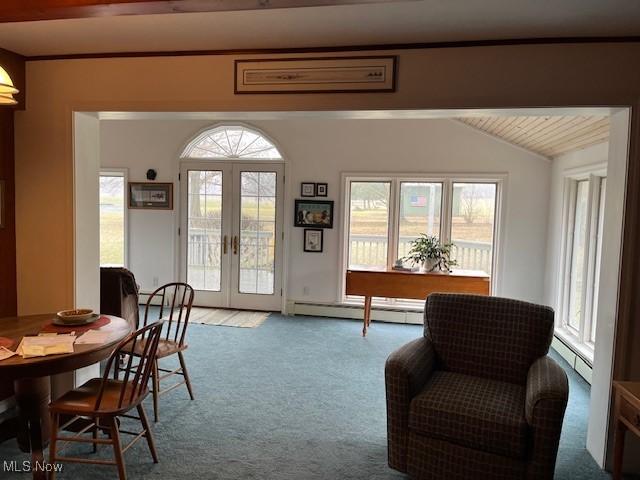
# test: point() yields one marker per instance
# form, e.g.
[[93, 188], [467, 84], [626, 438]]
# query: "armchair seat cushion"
[[473, 412]]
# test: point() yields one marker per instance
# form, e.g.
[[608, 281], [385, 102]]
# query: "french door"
[[231, 233]]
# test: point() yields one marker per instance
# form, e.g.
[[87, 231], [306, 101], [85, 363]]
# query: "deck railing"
[[204, 246], [371, 250]]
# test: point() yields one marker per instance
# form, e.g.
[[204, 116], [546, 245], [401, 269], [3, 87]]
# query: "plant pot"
[[429, 265]]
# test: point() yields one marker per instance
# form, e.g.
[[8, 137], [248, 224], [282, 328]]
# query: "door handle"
[[224, 245], [235, 244]]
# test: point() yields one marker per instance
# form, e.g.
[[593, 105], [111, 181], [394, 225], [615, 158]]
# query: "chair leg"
[[148, 434], [186, 375], [95, 435], [116, 368], [156, 389], [117, 448], [52, 443]]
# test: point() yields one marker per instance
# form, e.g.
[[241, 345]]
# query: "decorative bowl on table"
[[75, 316]]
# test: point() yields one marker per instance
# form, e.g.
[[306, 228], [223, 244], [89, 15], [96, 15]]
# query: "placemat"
[[51, 328]]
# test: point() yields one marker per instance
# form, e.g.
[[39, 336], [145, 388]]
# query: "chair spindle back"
[[176, 300], [136, 377]]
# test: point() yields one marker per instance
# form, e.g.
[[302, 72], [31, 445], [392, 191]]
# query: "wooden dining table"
[[31, 376]]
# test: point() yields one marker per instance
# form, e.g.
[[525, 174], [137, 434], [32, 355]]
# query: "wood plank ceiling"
[[549, 136]]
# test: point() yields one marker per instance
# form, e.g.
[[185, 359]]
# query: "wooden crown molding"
[[38, 10], [345, 48]]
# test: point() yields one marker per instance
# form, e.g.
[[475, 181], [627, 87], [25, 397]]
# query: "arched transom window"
[[232, 142]]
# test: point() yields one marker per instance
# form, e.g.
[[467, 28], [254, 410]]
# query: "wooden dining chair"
[[98, 404], [172, 303]]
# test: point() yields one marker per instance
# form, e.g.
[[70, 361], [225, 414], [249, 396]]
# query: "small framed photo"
[[314, 213], [313, 240], [307, 189], [151, 195], [321, 189]]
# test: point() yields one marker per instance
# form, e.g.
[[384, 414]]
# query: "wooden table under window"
[[412, 285]]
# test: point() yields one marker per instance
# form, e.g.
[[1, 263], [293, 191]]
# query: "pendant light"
[[7, 90]]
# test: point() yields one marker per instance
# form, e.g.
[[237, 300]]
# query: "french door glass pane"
[[578, 255], [204, 250], [257, 232], [420, 207], [596, 287], [369, 225], [112, 228], [472, 225]]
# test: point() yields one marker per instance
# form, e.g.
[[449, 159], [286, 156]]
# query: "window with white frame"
[[113, 218], [383, 214], [581, 256]]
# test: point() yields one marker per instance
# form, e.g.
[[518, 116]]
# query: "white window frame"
[[124, 173], [447, 180], [580, 339]]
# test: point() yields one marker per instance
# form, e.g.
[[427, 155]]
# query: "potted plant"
[[430, 254]]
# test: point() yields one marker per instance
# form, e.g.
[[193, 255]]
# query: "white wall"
[[319, 151], [86, 162], [596, 154]]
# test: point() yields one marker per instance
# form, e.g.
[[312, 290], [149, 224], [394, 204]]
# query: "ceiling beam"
[[35, 10]]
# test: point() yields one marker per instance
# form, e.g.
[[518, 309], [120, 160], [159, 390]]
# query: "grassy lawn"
[[111, 235], [374, 222]]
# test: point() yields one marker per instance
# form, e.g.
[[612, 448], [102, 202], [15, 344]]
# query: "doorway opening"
[[524, 255]]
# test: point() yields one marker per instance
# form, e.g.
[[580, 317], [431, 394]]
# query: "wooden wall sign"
[[316, 75]]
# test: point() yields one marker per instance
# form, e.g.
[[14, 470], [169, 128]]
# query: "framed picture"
[[313, 240], [2, 195], [321, 189], [307, 189], [314, 213], [316, 75], [151, 195]]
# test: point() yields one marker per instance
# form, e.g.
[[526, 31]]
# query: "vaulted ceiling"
[[383, 22], [549, 136]]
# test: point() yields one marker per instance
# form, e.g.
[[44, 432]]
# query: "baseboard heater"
[[574, 359], [355, 312]]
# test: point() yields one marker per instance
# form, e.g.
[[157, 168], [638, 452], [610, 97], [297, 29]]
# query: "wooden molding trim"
[[38, 10], [345, 48]]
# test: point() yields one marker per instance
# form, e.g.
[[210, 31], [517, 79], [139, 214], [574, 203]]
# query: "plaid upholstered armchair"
[[476, 396]]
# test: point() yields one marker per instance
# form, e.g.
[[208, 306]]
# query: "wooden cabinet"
[[412, 285], [627, 417]]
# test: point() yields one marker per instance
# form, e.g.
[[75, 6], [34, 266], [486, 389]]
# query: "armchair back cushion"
[[490, 337]]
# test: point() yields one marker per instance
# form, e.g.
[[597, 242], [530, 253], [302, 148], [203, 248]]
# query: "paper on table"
[[93, 336], [45, 345], [6, 353]]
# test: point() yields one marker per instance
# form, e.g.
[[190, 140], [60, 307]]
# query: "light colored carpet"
[[300, 398], [227, 318]]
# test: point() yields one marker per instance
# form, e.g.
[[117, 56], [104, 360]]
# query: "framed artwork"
[[314, 213], [151, 195], [316, 75], [2, 195], [313, 240], [307, 189], [321, 189]]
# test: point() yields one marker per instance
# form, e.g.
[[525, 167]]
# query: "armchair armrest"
[[547, 392], [406, 372]]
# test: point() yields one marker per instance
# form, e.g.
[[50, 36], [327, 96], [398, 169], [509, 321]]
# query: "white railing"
[[371, 250], [204, 247]]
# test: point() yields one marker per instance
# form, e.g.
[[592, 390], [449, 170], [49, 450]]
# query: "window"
[[369, 225], [472, 225], [113, 228], [232, 142], [583, 226], [384, 214]]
